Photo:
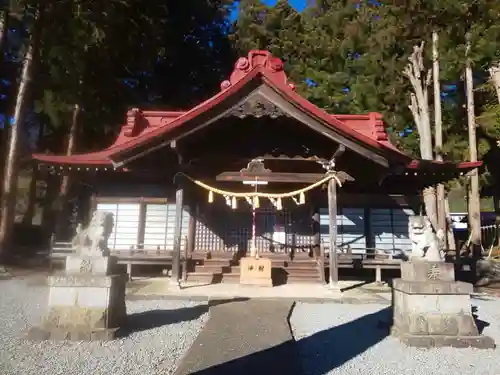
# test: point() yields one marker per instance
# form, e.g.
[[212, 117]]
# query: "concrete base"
[[437, 341], [256, 271], [434, 311], [85, 305]]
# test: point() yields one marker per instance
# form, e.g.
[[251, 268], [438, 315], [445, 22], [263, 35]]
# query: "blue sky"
[[297, 4]]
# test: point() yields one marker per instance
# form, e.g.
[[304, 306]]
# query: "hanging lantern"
[[249, 201], [302, 198], [279, 205], [228, 200], [256, 202], [210, 196], [234, 203]]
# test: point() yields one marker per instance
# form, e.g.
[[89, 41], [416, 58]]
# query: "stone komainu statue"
[[93, 239], [426, 245]]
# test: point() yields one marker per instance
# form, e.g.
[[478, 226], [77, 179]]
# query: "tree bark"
[[8, 201], [32, 199], [4, 21], [449, 229], [495, 78], [438, 134], [66, 180], [419, 106], [474, 201]]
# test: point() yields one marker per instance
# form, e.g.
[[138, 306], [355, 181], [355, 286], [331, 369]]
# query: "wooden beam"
[[340, 150], [314, 158], [271, 177]]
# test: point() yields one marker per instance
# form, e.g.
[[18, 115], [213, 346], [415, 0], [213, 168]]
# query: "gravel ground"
[[166, 330], [349, 339]]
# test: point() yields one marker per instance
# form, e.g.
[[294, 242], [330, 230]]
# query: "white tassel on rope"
[[273, 202]]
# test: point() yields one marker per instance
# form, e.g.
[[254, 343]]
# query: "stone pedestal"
[[256, 271], [87, 302], [431, 309]]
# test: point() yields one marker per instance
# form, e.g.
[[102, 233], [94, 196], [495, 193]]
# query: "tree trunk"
[[438, 134], [419, 106], [449, 228], [32, 199], [8, 201], [474, 201], [495, 78], [66, 180], [4, 20], [4, 135]]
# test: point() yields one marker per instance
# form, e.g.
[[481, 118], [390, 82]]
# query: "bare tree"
[[4, 17], [474, 201], [420, 80], [495, 78], [66, 180], [442, 199], [8, 200]]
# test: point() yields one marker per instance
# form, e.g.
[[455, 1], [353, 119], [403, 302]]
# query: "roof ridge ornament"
[[271, 65], [133, 126]]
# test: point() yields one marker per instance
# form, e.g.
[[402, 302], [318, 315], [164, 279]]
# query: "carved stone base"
[[256, 271], [96, 265], [83, 307], [431, 309]]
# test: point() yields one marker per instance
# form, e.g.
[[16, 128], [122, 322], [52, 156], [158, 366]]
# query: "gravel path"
[[166, 330], [345, 339]]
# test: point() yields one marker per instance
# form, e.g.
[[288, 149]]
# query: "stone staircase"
[[224, 268]]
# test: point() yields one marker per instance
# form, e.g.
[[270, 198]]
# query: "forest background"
[[96, 59]]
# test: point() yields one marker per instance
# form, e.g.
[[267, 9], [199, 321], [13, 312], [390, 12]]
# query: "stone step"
[[304, 279], [217, 269], [218, 262], [213, 278], [305, 272]]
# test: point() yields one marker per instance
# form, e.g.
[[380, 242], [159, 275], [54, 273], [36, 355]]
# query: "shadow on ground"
[[158, 318], [319, 353], [480, 324]]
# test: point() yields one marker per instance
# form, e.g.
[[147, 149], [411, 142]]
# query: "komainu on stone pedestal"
[[431, 309], [426, 244], [256, 271], [87, 301]]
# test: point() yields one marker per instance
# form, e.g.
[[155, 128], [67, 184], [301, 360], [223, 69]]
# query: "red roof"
[[145, 127]]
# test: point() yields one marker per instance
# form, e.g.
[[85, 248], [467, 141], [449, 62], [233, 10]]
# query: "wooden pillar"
[[141, 230], [332, 231], [191, 234], [176, 256], [316, 242]]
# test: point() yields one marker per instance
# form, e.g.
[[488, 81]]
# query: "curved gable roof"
[[152, 129]]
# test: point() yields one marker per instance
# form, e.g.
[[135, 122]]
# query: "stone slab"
[[432, 287], [244, 337], [436, 341], [256, 272], [425, 271], [71, 334], [94, 265], [82, 280]]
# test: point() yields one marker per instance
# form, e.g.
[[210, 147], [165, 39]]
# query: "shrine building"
[[182, 184]]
